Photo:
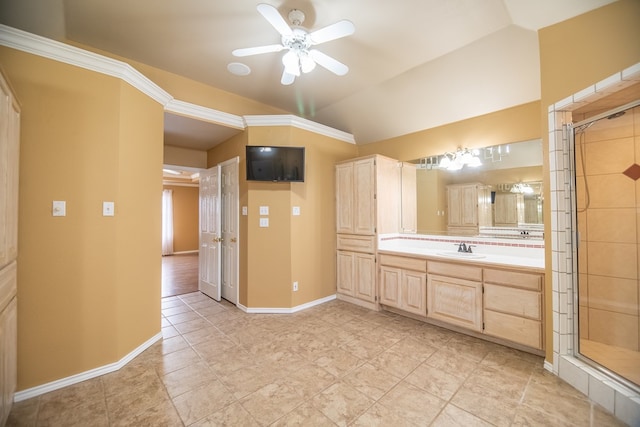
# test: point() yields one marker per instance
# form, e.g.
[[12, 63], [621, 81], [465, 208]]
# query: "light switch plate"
[[296, 210], [264, 222], [264, 210], [59, 208], [108, 208], [244, 210]]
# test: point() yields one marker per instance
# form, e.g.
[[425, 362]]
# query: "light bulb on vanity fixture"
[[460, 158]]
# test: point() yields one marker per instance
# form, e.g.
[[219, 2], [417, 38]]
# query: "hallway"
[[179, 274]]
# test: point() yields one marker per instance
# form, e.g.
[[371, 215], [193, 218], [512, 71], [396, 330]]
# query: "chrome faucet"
[[463, 247]]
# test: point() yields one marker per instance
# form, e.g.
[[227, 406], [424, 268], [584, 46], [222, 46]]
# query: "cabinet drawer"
[[518, 279], [455, 270], [7, 284], [514, 301], [404, 262], [355, 243], [513, 328], [455, 301]]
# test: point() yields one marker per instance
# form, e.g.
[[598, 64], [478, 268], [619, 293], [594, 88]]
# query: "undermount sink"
[[466, 255]]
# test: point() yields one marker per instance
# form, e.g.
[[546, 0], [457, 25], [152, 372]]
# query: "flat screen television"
[[276, 164]]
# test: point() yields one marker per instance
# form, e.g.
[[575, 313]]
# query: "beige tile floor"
[[334, 364]]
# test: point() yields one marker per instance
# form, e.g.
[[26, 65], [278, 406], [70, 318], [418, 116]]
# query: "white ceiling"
[[414, 64]]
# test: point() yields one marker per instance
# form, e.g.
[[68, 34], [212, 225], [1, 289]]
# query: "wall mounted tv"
[[276, 164]]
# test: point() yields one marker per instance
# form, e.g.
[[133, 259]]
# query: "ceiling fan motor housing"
[[298, 40]]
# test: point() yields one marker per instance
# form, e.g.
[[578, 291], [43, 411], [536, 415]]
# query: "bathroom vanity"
[[496, 292]]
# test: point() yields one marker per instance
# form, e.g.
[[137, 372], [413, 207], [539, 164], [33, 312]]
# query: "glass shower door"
[[607, 171]]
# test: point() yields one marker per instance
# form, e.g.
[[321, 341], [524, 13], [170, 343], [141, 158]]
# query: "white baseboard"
[[548, 366], [93, 373], [269, 310]]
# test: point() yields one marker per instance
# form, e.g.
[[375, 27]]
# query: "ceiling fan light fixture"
[[307, 64], [291, 62], [298, 42]]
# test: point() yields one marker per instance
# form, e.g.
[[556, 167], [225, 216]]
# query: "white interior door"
[[210, 235], [230, 219]]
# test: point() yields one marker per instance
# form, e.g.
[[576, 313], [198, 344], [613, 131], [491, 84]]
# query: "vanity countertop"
[[525, 255]]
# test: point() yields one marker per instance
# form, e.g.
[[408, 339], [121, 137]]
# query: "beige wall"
[[89, 286], [520, 123], [575, 54], [185, 217], [300, 248], [180, 156]]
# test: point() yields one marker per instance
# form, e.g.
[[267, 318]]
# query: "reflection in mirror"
[[510, 179]]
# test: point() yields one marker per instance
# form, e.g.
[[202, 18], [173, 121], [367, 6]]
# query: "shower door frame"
[[571, 130], [613, 395]]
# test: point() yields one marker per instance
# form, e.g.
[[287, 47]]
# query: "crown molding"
[[203, 113], [61, 52], [300, 123]]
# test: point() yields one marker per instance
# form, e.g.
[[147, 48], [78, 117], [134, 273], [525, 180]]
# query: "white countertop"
[[481, 255]]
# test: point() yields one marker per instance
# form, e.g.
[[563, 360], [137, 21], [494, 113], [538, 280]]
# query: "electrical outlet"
[[295, 286]]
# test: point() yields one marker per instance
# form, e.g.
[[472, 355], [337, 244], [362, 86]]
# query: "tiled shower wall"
[[614, 396], [608, 254]]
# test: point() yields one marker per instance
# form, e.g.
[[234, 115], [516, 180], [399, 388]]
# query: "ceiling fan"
[[298, 42]]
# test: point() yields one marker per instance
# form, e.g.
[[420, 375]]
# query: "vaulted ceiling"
[[413, 64]]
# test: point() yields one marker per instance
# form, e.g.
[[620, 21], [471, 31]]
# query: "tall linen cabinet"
[[369, 192], [9, 158]]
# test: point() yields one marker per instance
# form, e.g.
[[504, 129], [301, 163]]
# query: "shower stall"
[[606, 247]]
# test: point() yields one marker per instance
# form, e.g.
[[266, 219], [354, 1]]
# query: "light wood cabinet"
[[356, 275], [409, 210], [503, 304], [9, 164], [355, 189], [8, 357], [369, 199], [509, 209], [513, 306], [403, 283], [468, 207]]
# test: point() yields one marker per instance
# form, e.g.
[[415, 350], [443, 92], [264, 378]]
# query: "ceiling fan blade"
[[257, 50], [329, 63], [287, 78], [272, 15], [334, 31]]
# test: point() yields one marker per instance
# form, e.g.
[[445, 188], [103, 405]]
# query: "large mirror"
[[509, 177]]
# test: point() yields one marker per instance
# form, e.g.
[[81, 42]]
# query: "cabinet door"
[[469, 209], [8, 358], [414, 292], [345, 273], [409, 210], [363, 196], [390, 278], [454, 207], [506, 210], [365, 276], [344, 198], [455, 301]]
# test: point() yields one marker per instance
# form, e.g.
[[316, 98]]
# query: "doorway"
[[219, 220]]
